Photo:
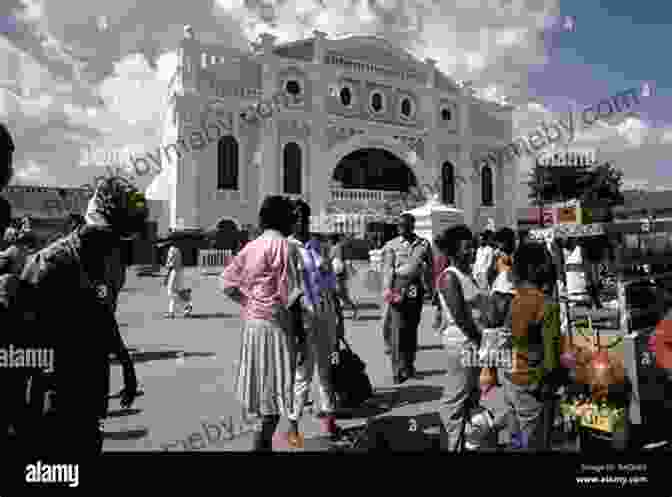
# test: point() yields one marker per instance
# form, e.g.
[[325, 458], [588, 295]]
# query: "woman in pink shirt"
[[264, 279]]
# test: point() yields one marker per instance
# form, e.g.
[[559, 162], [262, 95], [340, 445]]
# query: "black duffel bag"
[[351, 383]]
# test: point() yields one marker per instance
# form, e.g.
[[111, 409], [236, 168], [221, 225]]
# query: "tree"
[[550, 184], [601, 184]]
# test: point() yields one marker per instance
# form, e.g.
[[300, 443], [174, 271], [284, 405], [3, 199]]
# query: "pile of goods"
[[604, 373], [598, 416]]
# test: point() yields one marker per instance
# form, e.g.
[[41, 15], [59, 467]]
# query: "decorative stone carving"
[[412, 142], [213, 114], [295, 127], [338, 134]]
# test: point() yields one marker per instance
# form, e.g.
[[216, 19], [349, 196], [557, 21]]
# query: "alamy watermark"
[[473, 357], [20, 357], [53, 473]]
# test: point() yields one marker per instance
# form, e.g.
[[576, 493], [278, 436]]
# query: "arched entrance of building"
[[373, 169]]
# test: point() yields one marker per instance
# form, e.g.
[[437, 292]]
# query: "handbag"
[[351, 384]]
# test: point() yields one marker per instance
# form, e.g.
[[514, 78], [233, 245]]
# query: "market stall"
[[615, 391]]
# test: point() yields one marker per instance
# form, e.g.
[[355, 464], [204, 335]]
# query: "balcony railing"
[[356, 195]]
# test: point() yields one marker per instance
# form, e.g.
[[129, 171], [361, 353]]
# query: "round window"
[[293, 87], [377, 102], [346, 96], [407, 107], [445, 114]]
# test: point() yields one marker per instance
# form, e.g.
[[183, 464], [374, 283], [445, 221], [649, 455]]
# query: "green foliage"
[[559, 184], [603, 185]]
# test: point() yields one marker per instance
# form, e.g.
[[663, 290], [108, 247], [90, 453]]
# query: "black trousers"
[[14, 411], [78, 394], [403, 340]]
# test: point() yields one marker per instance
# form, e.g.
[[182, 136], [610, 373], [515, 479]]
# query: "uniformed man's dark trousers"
[[403, 340]]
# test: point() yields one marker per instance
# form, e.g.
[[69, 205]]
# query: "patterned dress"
[[265, 275]]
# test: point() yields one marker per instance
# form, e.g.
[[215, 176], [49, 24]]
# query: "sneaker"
[[187, 311]]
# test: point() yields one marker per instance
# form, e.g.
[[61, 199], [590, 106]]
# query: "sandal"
[[289, 440]]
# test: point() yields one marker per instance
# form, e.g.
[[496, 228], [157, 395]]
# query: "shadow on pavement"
[[369, 410], [362, 319], [436, 346], [148, 356], [392, 434], [221, 315], [135, 434], [132, 290], [118, 413], [430, 372], [367, 306], [418, 394]]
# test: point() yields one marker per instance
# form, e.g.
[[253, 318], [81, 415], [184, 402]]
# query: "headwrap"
[[119, 206]]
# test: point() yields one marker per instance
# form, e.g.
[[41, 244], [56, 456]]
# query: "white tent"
[[434, 217]]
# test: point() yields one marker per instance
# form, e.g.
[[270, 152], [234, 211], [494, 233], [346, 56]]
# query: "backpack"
[[351, 383]]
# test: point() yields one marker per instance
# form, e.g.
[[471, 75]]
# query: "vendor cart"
[[632, 413]]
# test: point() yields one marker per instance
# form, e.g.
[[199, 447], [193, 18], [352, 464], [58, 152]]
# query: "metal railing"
[[213, 261]]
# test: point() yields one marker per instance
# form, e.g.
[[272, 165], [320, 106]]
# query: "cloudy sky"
[[75, 73]]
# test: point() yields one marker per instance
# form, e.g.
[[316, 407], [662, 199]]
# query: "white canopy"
[[434, 206], [434, 217]]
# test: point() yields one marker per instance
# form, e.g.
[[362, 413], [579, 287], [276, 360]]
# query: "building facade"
[[351, 125], [49, 207]]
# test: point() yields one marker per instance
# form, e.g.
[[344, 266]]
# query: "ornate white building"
[[363, 121]]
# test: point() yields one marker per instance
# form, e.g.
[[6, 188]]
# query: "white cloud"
[[633, 130], [31, 174], [107, 88]]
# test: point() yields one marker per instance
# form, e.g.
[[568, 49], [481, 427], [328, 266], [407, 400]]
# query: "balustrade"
[[359, 195]]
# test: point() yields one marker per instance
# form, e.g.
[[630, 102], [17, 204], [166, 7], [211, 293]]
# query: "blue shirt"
[[316, 280]]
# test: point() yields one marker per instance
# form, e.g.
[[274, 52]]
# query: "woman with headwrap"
[[77, 268]]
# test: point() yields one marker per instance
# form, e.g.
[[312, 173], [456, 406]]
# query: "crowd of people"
[[286, 283], [293, 291]]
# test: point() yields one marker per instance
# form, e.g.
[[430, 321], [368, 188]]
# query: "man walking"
[[407, 274]]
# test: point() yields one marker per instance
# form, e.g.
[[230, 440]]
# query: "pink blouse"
[[265, 272]]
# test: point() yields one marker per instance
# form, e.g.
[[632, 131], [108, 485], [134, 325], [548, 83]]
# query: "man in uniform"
[[407, 275]]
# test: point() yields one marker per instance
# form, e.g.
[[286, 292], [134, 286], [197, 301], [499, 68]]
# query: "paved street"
[[186, 369]]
